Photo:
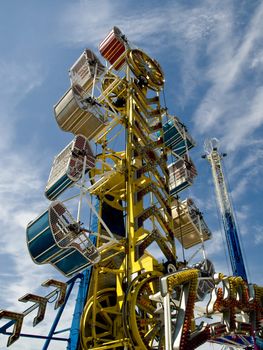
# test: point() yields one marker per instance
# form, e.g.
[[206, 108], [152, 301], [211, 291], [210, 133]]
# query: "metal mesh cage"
[[113, 47], [190, 227], [68, 234], [70, 161], [59, 165], [85, 69], [206, 283], [181, 174], [79, 113], [176, 136], [198, 219], [81, 148]]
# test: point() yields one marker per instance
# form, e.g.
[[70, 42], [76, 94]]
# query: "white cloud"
[[242, 173], [257, 60], [231, 108], [21, 191], [207, 31], [17, 80], [259, 237], [86, 22], [258, 234], [227, 68], [228, 108], [21, 201], [22, 183], [158, 26], [252, 162], [215, 246], [245, 123]]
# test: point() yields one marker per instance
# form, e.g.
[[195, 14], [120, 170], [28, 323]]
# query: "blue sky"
[[212, 55]]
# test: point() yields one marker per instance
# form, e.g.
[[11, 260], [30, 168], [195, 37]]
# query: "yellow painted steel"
[[127, 178], [144, 66], [143, 323], [133, 300], [103, 316]]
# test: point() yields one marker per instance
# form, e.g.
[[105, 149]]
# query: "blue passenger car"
[[54, 237], [176, 137]]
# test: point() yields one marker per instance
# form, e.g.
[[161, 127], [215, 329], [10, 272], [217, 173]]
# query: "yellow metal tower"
[[135, 299]]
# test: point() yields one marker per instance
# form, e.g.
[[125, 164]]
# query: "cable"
[[90, 216], [55, 297], [180, 227]]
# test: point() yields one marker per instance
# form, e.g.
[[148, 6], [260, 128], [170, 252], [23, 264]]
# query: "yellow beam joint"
[[113, 271]]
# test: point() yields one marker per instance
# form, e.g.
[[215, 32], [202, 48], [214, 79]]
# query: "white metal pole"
[[82, 190], [167, 322]]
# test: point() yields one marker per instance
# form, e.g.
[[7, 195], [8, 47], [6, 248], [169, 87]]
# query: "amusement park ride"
[[113, 193], [225, 207]]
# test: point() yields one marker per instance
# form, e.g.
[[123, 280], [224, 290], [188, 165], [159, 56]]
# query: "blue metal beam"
[[37, 336], [236, 258], [225, 207], [60, 311], [82, 292], [79, 306]]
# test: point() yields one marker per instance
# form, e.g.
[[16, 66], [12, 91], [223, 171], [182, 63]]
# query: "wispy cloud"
[[21, 200], [214, 59], [257, 60], [204, 45], [229, 58], [214, 65], [159, 27], [258, 234], [18, 79], [21, 182]]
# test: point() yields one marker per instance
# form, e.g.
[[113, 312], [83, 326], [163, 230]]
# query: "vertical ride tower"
[[115, 219], [225, 207]]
